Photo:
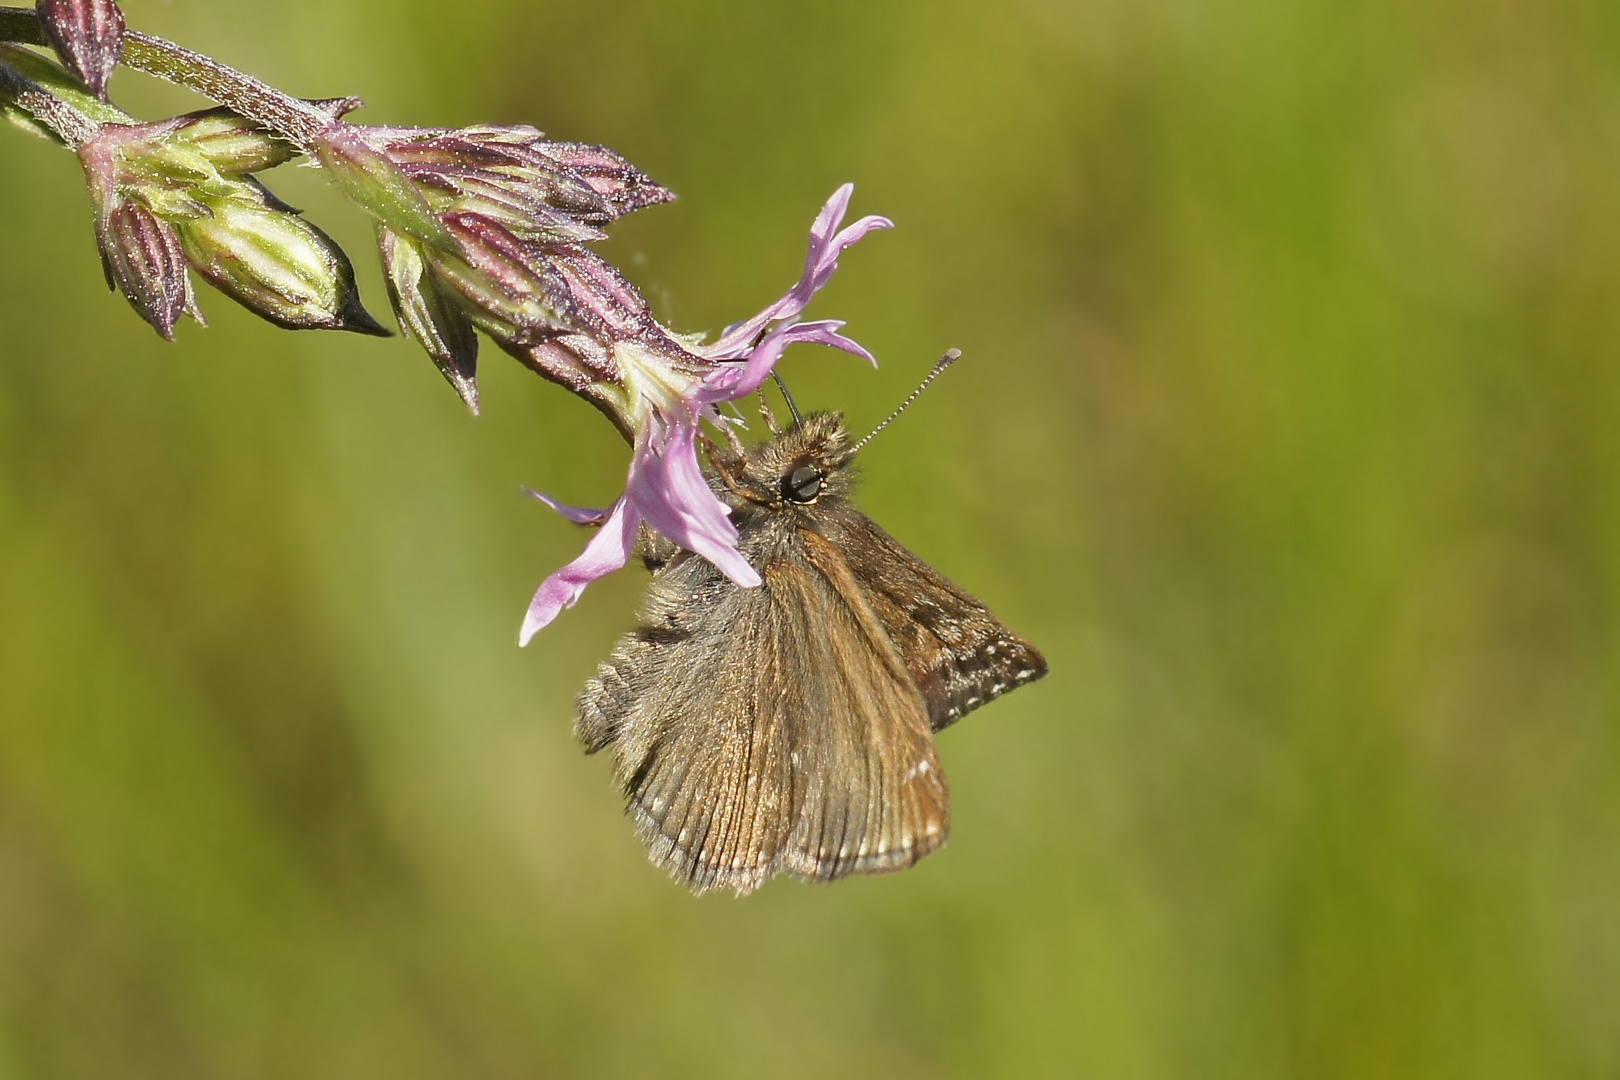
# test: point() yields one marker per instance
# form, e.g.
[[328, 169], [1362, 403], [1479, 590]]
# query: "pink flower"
[[667, 388]]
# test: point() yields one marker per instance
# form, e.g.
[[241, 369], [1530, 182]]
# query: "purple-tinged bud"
[[511, 157], [625, 187], [472, 192], [510, 288], [88, 35], [606, 305], [143, 260], [588, 183], [431, 314]]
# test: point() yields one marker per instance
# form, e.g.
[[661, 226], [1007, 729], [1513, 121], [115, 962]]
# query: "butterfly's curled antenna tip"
[[951, 356]]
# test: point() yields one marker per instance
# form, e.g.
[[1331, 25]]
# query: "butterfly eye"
[[802, 486]]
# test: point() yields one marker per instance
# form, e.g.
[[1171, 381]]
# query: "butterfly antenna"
[[944, 362], [787, 397]]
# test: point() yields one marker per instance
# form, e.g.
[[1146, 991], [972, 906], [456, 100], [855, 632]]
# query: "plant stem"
[[295, 120], [71, 125]]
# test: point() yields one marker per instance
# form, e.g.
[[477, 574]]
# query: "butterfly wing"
[[767, 730], [705, 769], [959, 655], [875, 796]]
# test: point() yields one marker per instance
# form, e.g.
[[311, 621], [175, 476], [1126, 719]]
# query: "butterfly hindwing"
[[705, 774]]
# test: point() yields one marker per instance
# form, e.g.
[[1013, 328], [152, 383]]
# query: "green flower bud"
[[377, 185], [431, 314], [277, 265], [233, 144]]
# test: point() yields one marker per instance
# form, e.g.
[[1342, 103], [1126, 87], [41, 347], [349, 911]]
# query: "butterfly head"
[[803, 465]]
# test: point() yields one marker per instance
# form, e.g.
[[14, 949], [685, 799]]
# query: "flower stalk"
[[43, 111], [292, 118]]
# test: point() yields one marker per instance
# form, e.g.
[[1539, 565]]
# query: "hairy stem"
[[295, 120], [70, 125]]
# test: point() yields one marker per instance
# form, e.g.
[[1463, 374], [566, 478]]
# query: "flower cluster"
[[481, 230], [178, 193], [484, 229]]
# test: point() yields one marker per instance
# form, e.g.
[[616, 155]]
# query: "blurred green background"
[[1289, 429]]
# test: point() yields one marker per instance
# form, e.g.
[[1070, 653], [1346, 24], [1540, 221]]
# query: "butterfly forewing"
[[873, 796], [959, 655]]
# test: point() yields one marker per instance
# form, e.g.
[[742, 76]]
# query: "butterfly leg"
[[721, 469], [766, 415]]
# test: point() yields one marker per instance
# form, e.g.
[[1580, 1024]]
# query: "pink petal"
[[832, 212], [825, 332], [668, 487], [608, 550], [844, 240], [731, 383], [820, 261], [577, 514]]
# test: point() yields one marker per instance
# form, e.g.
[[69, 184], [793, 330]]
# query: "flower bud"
[[376, 184], [515, 210], [88, 35], [277, 265], [510, 158], [625, 187], [142, 258], [233, 144], [431, 314], [509, 288]]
